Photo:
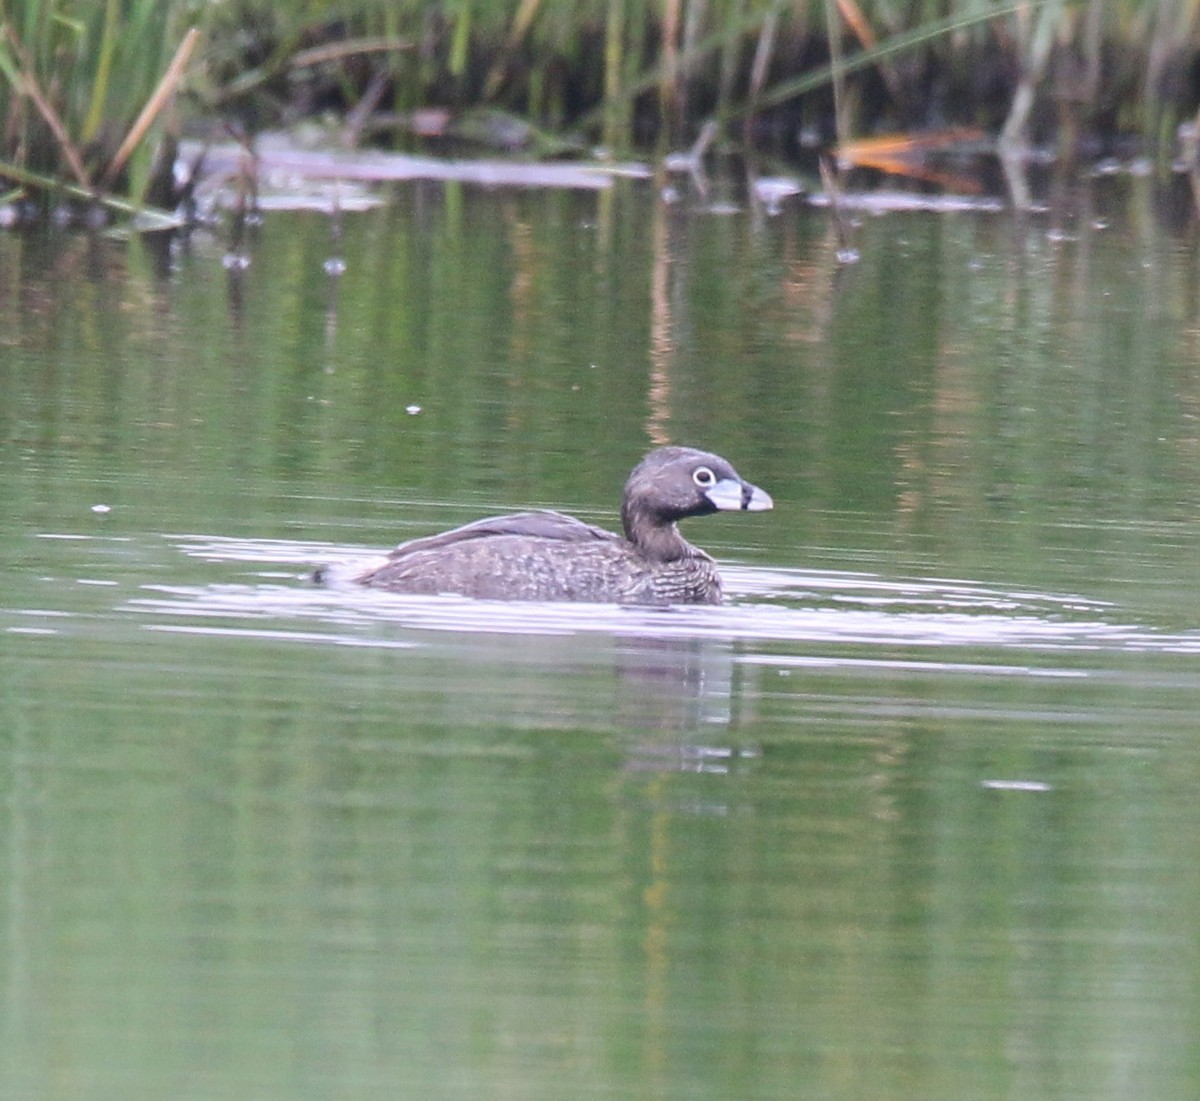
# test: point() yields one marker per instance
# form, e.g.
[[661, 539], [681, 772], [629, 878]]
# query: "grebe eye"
[[703, 477]]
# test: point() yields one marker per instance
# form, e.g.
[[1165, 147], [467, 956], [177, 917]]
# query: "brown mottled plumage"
[[549, 556]]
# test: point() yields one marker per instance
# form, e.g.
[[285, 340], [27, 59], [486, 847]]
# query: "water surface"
[[912, 816]]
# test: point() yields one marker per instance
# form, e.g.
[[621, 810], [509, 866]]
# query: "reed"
[[82, 88], [87, 86]]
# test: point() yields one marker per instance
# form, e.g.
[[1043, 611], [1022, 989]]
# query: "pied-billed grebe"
[[549, 556]]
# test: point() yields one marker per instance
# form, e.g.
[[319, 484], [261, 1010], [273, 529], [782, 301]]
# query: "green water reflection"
[[256, 845]]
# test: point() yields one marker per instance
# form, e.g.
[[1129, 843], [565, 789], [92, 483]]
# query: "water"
[[912, 816]]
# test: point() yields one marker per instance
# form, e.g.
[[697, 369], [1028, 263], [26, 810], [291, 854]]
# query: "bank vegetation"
[[94, 94]]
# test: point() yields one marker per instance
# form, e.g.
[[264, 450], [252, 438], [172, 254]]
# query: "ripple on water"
[[806, 607]]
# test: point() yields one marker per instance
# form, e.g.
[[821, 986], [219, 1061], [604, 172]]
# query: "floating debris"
[[772, 190], [918, 156], [323, 199], [287, 171], [692, 160], [891, 202]]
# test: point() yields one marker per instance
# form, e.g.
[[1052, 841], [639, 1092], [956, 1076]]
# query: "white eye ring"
[[703, 477]]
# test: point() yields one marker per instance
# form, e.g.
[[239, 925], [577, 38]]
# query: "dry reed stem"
[[763, 51], [669, 97], [837, 71], [520, 26], [830, 182], [1014, 133], [156, 102], [857, 22], [356, 117], [335, 51], [46, 110], [614, 61]]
